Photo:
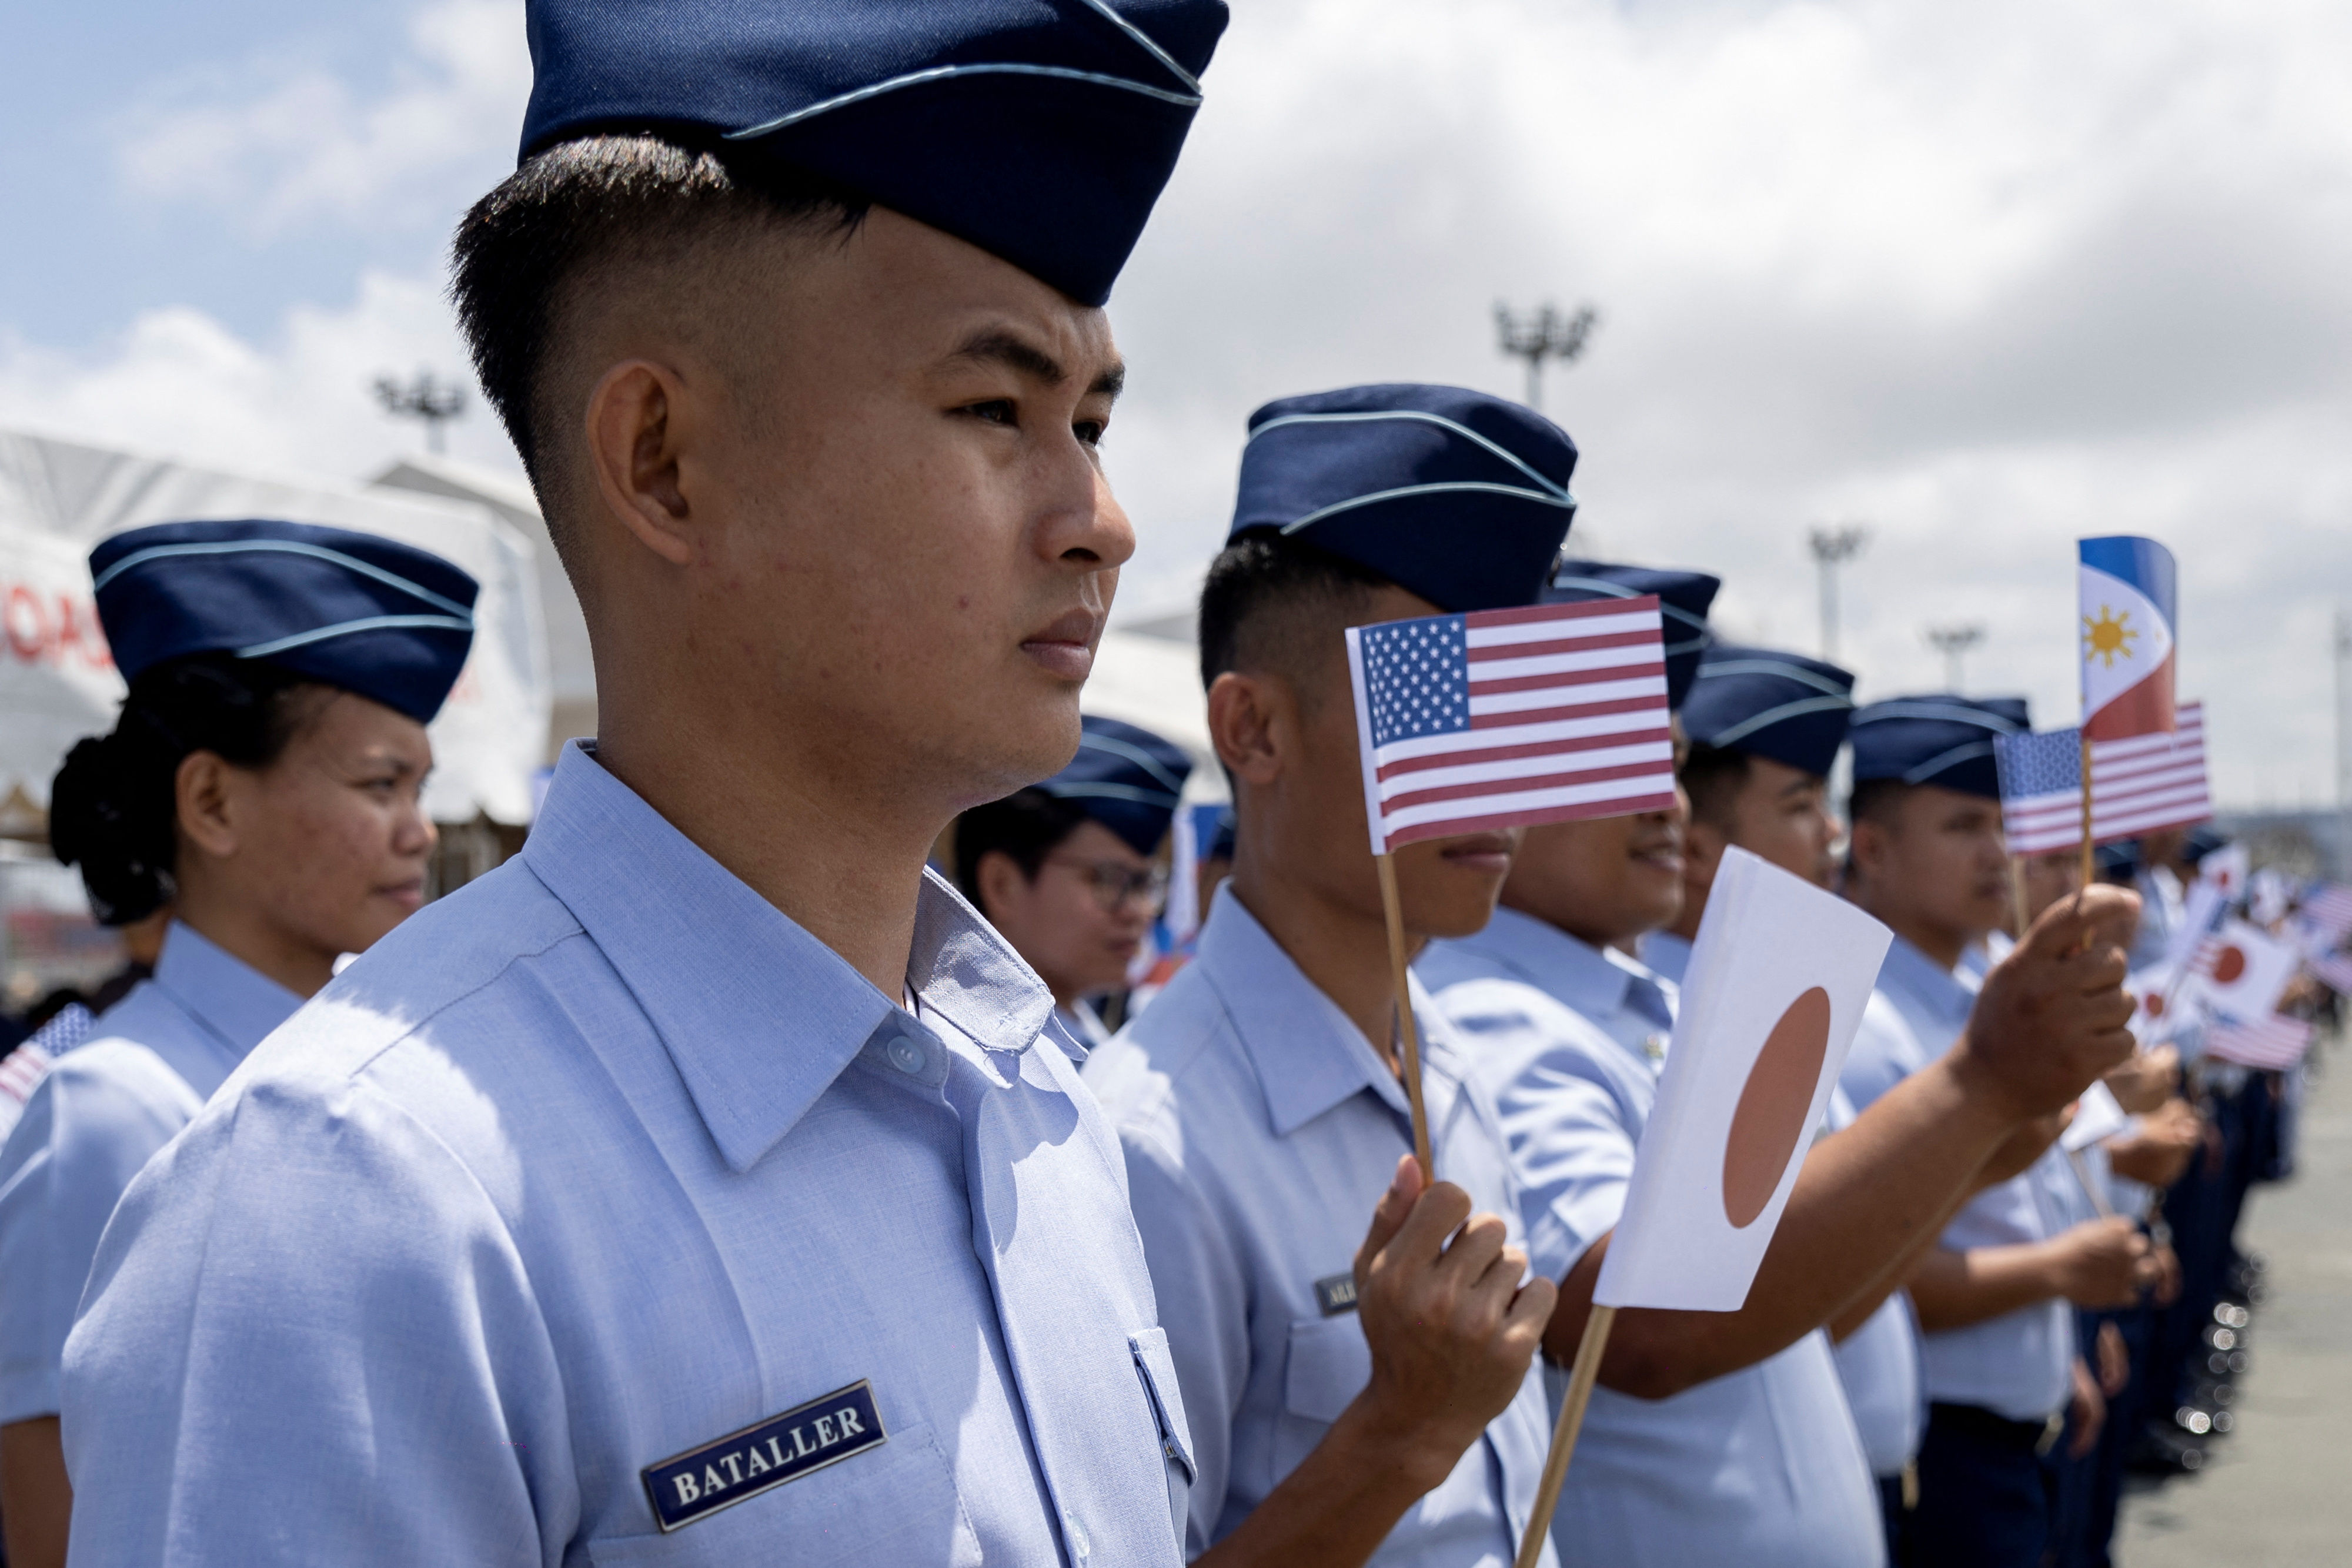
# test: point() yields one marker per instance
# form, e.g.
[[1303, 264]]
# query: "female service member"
[[263, 782]]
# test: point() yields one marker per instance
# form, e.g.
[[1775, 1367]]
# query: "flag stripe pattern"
[[2272, 1044], [2334, 972], [1505, 717], [2328, 909], [2137, 786]]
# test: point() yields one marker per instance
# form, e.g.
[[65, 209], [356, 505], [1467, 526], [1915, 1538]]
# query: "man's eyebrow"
[[994, 344], [998, 345]]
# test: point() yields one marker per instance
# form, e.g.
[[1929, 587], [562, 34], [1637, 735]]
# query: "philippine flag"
[[2127, 599]]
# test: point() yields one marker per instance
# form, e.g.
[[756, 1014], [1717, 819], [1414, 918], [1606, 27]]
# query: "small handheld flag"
[[1502, 718], [2127, 599], [2272, 1044], [1777, 981], [2242, 971], [2137, 786]]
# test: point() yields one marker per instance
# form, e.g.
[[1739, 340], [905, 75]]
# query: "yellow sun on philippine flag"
[[2107, 636]]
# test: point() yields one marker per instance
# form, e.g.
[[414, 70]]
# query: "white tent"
[[57, 682]]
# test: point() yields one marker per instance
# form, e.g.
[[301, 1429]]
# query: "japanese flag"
[[2241, 972], [1775, 990]]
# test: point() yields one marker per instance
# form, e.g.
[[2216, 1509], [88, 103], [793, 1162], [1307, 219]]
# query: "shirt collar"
[[759, 1016], [1308, 1055], [1944, 994], [234, 1002], [1572, 972]]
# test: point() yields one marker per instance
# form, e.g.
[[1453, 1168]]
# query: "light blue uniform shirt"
[[2018, 1365], [1878, 1364], [1763, 1467], [1261, 1131], [599, 1161], [103, 1110]]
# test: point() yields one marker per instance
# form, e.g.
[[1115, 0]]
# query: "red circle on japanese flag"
[[2154, 1003], [2229, 964], [1773, 1106]]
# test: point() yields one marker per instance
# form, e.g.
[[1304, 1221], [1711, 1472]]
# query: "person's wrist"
[[1418, 1448], [1978, 1094]]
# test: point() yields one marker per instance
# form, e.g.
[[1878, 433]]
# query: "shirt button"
[[905, 1054], [1076, 1533]]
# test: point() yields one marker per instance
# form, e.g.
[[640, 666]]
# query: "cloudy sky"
[[1982, 278]]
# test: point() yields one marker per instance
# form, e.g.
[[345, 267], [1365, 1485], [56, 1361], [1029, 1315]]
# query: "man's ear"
[[202, 796], [999, 876], [640, 421], [1253, 722], [1869, 842]]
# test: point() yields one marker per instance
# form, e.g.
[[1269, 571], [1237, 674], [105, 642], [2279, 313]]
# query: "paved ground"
[[2277, 1493]]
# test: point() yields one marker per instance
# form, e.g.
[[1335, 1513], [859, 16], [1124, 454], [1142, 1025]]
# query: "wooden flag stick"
[[2017, 902], [1581, 1376], [1411, 1032], [2090, 854], [2090, 1188]]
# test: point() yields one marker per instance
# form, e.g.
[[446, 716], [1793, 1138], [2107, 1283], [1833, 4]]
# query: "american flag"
[[2328, 909], [1503, 717], [2334, 972], [2272, 1044], [2137, 786]]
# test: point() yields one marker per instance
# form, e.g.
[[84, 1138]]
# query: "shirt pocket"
[[1158, 1369], [1329, 1365], [894, 1503]]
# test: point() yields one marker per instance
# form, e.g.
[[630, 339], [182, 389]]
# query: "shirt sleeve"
[[309, 1338], [1205, 1308], [1885, 1053], [88, 1128], [1567, 1122]]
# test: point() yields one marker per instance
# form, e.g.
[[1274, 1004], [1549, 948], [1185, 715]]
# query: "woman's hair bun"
[[114, 806]]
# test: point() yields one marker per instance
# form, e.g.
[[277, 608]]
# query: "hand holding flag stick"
[[1503, 718]]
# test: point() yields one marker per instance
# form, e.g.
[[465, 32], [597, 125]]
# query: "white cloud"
[[177, 381], [307, 146], [1987, 276]]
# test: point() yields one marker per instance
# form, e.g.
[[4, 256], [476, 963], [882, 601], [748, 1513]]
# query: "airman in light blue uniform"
[[609, 1214], [101, 1113]]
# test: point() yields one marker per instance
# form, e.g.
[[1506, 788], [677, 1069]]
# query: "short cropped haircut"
[[1876, 799], [1713, 776], [1028, 824], [584, 208], [1279, 604]]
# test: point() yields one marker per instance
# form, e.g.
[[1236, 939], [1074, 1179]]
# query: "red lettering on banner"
[[28, 627], [77, 627]]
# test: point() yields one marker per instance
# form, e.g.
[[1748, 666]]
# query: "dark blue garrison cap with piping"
[[1040, 131], [370, 615], [1938, 739], [1455, 494], [1124, 778], [1784, 706], [1683, 601]]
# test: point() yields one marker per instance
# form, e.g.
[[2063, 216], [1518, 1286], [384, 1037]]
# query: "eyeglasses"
[[1116, 886]]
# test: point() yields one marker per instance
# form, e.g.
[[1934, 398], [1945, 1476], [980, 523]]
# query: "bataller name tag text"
[[781, 1448]]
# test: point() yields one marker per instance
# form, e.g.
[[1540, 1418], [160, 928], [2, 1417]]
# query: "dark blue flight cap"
[[1939, 739], [1041, 131], [2201, 840], [1453, 495], [355, 610], [1784, 706], [1683, 601], [1124, 778]]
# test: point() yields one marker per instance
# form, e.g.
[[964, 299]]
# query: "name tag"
[[781, 1448], [1336, 1294]]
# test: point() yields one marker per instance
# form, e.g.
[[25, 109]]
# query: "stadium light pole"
[[2343, 743], [1546, 334], [427, 398], [1832, 548], [1952, 642]]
